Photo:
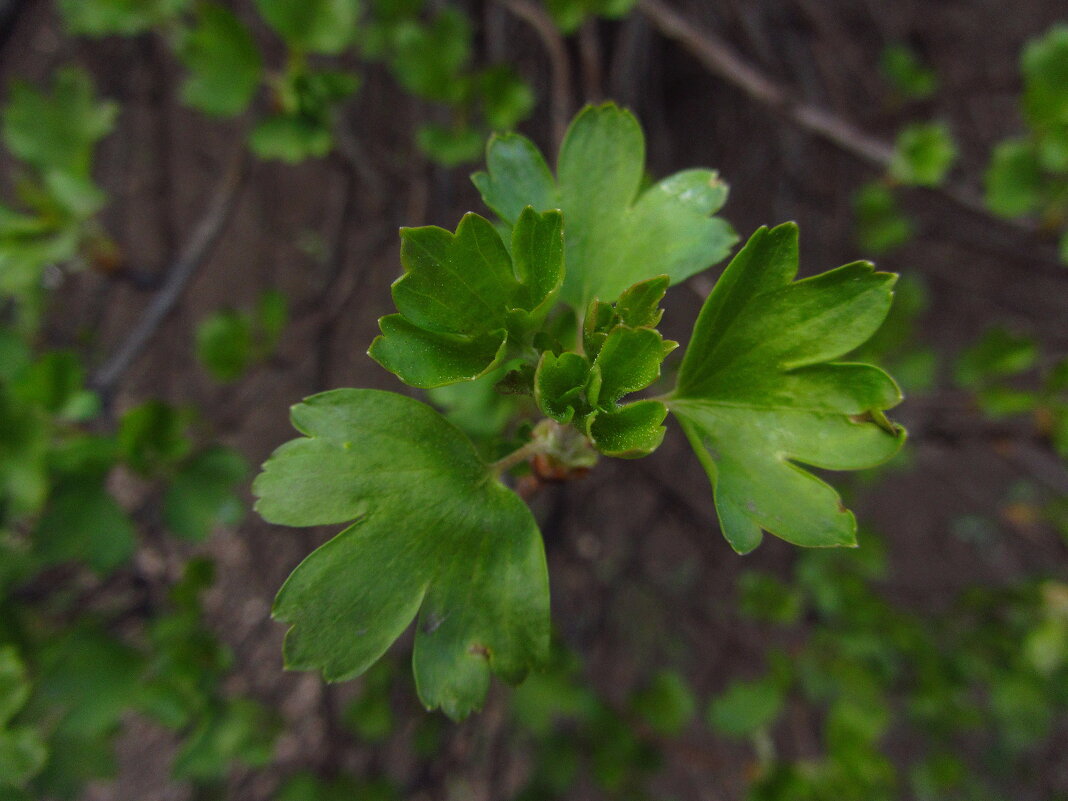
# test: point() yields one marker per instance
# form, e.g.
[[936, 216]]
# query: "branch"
[[553, 42], [196, 250], [720, 59]]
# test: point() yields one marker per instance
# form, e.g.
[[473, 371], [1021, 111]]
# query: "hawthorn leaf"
[[223, 62], [83, 522], [639, 306], [57, 130], [202, 495], [616, 235], [558, 384], [629, 360], [630, 431], [434, 534], [462, 295], [315, 26], [923, 154], [758, 394]]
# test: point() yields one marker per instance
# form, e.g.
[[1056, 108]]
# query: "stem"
[[518, 456]]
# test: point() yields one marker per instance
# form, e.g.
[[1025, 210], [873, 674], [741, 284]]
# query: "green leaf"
[[291, 139], [435, 534], [22, 755], [462, 294], [241, 731], [629, 360], [14, 685], [667, 703], [1044, 64], [570, 14], [923, 154], [628, 432], [449, 145], [121, 17], [314, 26], [82, 521], [506, 98], [224, 344], [881, 226], [428, 59], [152, 436], [616, 236], [559, 383], [746, 707], [57, 131], [758, 393], [997, 354], [1014, 181], [202, 497], [901, 66], [223, 60]]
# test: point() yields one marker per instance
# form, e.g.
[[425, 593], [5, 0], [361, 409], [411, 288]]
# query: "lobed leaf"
[[616, 235], [758, 392], [462, 296], [434, 535]]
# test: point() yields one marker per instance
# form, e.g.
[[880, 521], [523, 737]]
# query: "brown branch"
[[721, 59], [196, 251], [559, 62]]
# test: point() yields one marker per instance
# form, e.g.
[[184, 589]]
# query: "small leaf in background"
[[746, 707], [570, 14], [759, 394], [617, 234], [902, 67], [118, 17], [880, 224], [201, 496], [83, 522], [997, 354], [427, 59], [58, 130], [764, 597], [1044, 64], [270, 319], [667, 703], [223, 60], [450, 145], [1062, 249], [463, 551], [239, 731], [1014, 182], [923, 154], [313, 26], [370, 715], [308, 787], [152, 436], [506, 99], [224, 344], [290, 139]]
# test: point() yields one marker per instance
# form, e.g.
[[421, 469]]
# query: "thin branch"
[[196, 251], [720, 58], [559, 62]]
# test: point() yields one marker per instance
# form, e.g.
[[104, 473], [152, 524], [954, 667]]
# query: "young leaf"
[[224, 344], [616, 236], [758, 393], [1014, 179], [121, 17], [202, 494], [57, 131], [314, 26], [923, 154], [223, 60], [746, 707], [999, 353], [435, 534], [84, 522], [903, 68], [1045, 69], [881, 226], [461, 296]]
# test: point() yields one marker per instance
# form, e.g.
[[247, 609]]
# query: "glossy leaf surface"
[[759, 393], [435, 535], [616, 235]]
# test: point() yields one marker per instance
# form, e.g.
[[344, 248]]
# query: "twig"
[[719, 58], [192, 256], [559, 63]]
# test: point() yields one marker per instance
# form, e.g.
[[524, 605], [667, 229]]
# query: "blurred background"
[[198, 228]]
